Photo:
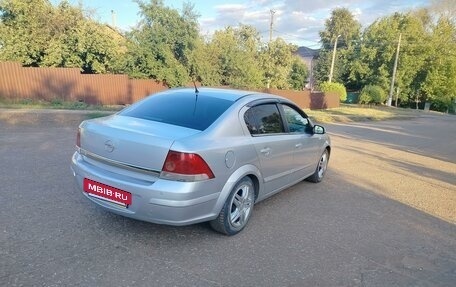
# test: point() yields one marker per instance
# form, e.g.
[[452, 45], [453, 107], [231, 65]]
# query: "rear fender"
[[240, 173]]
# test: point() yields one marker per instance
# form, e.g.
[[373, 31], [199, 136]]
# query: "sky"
[[295, 21]]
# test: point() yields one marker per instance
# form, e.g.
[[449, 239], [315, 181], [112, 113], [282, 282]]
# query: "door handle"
[[266, 151], [299, 145]]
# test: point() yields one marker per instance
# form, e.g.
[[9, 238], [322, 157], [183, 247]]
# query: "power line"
[[370, 42]]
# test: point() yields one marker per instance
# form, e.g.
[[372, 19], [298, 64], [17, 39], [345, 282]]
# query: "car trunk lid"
[[131, 141]]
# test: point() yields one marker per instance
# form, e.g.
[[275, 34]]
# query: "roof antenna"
[[194, 77], [196, 97], [196, 89]]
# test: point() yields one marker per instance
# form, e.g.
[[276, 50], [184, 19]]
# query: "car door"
[[306, 144], [273, 145]]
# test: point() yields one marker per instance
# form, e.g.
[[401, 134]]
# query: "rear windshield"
[[180, 109]]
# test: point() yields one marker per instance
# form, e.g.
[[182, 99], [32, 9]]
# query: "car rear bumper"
[[153, 199]]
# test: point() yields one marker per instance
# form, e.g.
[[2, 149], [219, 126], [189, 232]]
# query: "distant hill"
[[305, 52]]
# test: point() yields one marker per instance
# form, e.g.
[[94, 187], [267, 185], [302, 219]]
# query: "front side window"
[[296, 122], [264, 119]]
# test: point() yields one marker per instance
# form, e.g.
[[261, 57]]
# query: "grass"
[[54, 104], [355, 113]]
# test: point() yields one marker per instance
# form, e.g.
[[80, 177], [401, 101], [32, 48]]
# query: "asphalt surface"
[[383, 216]]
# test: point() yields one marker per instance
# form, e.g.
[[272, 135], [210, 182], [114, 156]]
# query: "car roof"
[[226, 94]]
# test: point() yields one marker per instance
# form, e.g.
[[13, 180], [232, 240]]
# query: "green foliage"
[[323, 66], [374, 64], [236, 57], [204, 61], [442, 106], [298, 75], [336, 88], [372, 94], [161, 46], [59, 103], [342, 22], [427, 58], [278, 63], [440, 80], [37, 34], [55, 103], [78, 106], [236, 51], [25, 30], [166, 46]]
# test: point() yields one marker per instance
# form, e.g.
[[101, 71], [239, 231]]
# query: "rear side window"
[[180, 109], [264, 119]]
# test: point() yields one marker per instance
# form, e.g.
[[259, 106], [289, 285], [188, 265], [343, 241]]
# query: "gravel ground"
[[383, 216]]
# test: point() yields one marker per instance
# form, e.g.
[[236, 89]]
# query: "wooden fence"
[[68, 84], [307, 99]]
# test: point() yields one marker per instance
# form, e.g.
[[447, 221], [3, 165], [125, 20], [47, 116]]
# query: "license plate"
[[107, 192]]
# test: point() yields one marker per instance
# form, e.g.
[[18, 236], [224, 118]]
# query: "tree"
[[25, 30], [337, 88], [372, 94], [278, 58], [83, 43], [37, 34], [298, 74], [237, 54], [343, 23], [161, 45], [322, 67], [235, 57], [439, 85], [375, 59], [204, 64]]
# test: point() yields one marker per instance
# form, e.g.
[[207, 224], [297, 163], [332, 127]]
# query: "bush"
[[77, 105], [56, 102], [442, 106], [336, 88], [372, 94]]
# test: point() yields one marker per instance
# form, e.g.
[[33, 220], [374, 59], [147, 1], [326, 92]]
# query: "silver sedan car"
[[185, 156]]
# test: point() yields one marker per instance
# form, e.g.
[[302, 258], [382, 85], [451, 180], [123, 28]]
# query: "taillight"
[[78, 138], [182, 166]]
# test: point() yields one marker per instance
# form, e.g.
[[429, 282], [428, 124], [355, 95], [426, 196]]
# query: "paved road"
[[429, 135], [367, 224], [413, 162]]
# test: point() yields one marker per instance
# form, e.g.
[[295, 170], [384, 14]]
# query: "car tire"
[[322, 166], [237, 209]]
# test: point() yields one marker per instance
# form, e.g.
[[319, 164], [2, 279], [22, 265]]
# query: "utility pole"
[[333, 59], [270, 24], [269, 46], [397, 96], [390, 96], [114, 19]]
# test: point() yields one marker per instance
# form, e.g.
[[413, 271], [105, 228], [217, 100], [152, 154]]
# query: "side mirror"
[[319, 130]]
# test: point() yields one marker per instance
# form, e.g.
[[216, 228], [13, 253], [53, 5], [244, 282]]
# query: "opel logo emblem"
[[109, 146]]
